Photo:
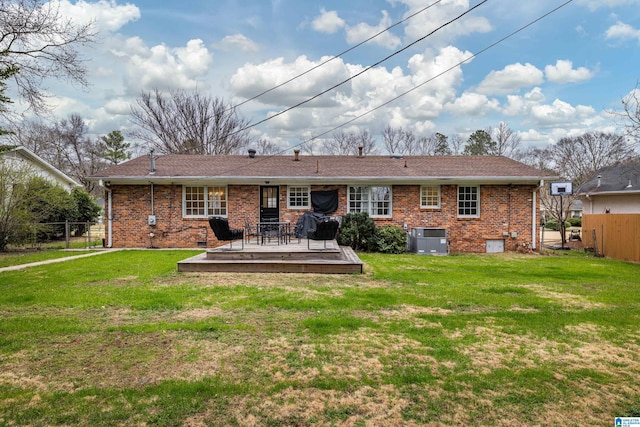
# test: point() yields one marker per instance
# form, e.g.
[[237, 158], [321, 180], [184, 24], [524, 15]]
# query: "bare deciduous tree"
[[456, 142], [350, 143], [41, 43], [66, 145], [507, 142], [266, 147], [540, 158], [579, 157], [392, 140], [630, 114], [183, 122]]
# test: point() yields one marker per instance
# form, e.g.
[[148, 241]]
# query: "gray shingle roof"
[[238, 168], [614, 179]]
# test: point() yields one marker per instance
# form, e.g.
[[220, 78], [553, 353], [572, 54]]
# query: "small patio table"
[[279, 229]]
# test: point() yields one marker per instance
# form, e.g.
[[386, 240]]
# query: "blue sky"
[[556, 78]]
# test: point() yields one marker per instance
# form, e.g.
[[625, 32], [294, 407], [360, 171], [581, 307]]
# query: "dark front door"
[[269, 202]]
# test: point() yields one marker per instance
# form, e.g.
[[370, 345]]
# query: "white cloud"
[[238, 42], [327, 22], [561, 113], [107, 15], [473, 104], [511, 79], [622, 31], [252, 79], [359, 95], [118, 106], [362, 31], [563, 72], [532, 109], [162, 66], [438, 14]]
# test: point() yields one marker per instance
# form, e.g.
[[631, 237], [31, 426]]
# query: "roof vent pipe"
[[629, 185], [152, 162], [252, 153], [599, 180], [296, 154], [360, 148]]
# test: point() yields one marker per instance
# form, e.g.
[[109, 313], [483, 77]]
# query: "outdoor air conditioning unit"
[[429, 241]]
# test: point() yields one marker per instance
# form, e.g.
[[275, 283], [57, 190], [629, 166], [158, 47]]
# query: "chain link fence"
[[58, 235]]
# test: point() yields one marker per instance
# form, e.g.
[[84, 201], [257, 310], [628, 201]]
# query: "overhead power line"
[[336, 56], [470, 57], [361, 72]]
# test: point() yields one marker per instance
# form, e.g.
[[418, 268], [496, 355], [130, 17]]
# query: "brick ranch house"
[[164, 201]]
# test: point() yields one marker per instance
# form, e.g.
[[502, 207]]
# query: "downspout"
[[109, 217], [152, 207], [534, 221]]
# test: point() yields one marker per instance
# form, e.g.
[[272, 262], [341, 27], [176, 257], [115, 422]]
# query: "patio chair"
[[288, 233], [251, 231], [270, 227], [220, 227], [325, 230]]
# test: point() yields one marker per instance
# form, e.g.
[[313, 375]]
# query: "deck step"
[[285, 259]]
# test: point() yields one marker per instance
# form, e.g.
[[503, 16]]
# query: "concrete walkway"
[[52, 261]]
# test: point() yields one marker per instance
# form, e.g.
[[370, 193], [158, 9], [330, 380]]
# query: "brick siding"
[[503, 209]]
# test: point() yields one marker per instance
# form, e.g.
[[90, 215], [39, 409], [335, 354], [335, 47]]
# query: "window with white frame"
[[468, 202], [204, 201], [380, 201], [430, 196], [376, 201], [298, 197]]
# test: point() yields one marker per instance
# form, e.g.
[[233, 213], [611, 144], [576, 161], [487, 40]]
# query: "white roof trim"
[[46, 165]]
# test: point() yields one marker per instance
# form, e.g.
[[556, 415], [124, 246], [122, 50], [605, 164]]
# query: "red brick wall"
[[502, 209]]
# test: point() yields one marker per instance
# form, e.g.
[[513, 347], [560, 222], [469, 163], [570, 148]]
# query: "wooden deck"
[[273, 258]]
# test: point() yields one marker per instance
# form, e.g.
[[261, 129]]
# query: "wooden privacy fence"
[[616, 235]]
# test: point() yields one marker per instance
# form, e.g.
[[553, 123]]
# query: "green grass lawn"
[[122, 339], [8, 259]]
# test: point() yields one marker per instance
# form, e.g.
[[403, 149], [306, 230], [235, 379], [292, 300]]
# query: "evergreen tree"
[[114, 149], [480, 143], [442, 146]]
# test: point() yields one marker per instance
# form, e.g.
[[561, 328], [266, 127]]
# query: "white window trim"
[[477, 215], [206, 201], [430, 206], [308, 206], [370, 201]]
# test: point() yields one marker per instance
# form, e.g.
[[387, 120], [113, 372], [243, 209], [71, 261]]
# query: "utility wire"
[[336, 56], [469, 58], [359, 73], [480, 52]]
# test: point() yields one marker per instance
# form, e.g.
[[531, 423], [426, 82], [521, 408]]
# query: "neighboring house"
[[19, 156], [614, 189], [164, 201], [575, 210]]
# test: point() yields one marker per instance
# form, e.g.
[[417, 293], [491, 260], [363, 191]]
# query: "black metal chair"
[[325, 230], [220, 227], [288, 233], [251, 231], [270, 227]]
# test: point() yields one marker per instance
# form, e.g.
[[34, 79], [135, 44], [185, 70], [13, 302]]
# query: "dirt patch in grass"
[[300, 282], [365, 405], [566, 300], [601, 371], [118, 360]]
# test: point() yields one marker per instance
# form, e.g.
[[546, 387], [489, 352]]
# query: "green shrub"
[[552, 224], [391, 239], [575, 222], [358, 231]]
